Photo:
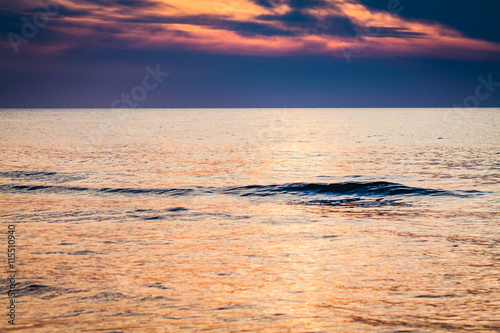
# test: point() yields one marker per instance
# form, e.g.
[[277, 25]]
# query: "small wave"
[[354, 202], [358, 189], [350, 194], [58, 189], [24, 174], [43, 176]]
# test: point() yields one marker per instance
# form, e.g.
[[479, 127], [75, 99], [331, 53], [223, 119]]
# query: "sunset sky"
[[248, 53]]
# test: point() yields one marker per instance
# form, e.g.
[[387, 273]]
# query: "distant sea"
[[251, 220]]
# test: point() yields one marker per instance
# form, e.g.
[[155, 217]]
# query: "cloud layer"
[[340, 28]]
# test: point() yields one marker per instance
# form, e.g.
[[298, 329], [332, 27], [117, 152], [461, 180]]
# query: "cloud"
[[72, 12], [249, 29], [312, 25], [266, 3], [475, 19], [124, 3], [10, 22], [395, 32], [253, 27], [293, 4], [306, 4]]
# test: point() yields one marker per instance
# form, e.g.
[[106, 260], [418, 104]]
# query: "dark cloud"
[[69, 12], [133, 3], [394, 32], [98, 2], [249, 29], [303, 22], [296, 24], [266, 3], [292, 18], [293, 4], [330, 25], [476, 19], [124, 3], [306, 4], [10, 22], [335, 26], [60, 10], [203, 20]]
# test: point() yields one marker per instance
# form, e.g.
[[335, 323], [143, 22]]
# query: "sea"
[[250, 220]]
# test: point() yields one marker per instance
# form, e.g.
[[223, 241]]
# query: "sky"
[[249, 53]]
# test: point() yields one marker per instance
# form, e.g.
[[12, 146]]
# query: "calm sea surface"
[[252, 220]]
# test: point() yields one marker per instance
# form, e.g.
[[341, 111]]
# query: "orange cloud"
[[243, 27]]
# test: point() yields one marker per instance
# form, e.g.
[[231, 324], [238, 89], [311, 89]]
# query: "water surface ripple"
[[261, 220]]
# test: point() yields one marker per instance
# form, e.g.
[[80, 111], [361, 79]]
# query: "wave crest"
[[364, 189]]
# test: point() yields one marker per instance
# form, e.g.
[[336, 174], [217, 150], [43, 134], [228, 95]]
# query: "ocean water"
[[251, 220]]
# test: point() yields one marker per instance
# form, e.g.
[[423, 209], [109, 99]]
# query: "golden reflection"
[[125, 261]]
